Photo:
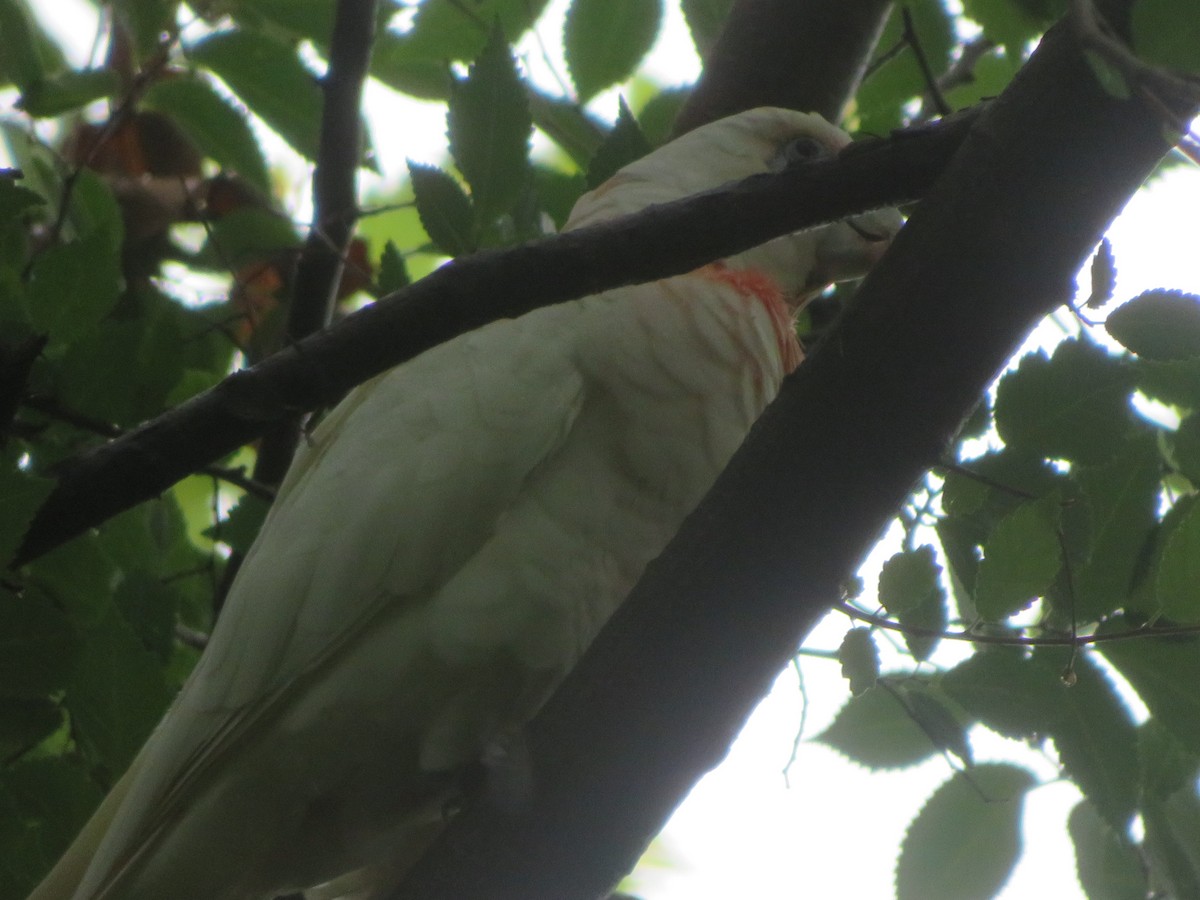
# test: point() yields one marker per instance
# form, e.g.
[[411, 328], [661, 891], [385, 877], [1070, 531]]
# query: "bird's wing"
[[398, 487]]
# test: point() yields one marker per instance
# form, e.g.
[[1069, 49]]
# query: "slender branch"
[[665, 240]]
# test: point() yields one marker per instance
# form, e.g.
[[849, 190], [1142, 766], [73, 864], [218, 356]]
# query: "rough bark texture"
[[806, 55], [660, 696]]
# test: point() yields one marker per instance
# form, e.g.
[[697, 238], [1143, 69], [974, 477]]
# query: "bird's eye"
[[803, 149], [798, 151]]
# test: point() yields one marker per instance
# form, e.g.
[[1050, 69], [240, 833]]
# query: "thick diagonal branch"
[[656, 243]]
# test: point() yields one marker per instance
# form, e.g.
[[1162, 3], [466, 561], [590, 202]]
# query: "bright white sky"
[[836, 831]]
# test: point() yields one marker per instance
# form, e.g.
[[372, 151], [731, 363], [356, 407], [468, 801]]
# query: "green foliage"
[[966, 839], [1078, 520]]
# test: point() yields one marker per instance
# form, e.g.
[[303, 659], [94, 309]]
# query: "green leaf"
[[1175, 381], [1167, 33], [705, 19], [239, 529], [43, 804], [146, 21], [311, 19], [67, 91], [1159, 324], [1108, 867], [875, 730], [21, 493], [1185, 444], [910, 589], [1164, 671], [117, 693], [943, 728], [38, 647], [1121, 502], [269, 77], [657, 116], [214, 125], [604, 40], [1003, 690], [860, 660], [624, 144], [1173, 843], [992, 74], [1014, 23], [1164, 764], [489, 127], [1178, 578], [24, 722], [966, 839], [883, 94], [73, 287], [246, 235], [149, 606], [1073, 405], [1020, 559], [557, 192], [567, 124], [1103, 275], [1093, 732], [393, 273], [444, 208], [22, 63]]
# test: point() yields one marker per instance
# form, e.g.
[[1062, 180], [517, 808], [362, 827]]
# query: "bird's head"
[[757, 141]]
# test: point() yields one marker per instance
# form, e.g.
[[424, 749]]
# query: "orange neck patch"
[[761, 288]]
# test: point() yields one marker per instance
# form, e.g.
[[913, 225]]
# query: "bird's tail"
[[64, 878]]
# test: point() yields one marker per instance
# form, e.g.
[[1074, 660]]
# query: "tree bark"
[[800, 54]]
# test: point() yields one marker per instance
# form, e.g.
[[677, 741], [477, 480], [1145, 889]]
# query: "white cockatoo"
[[448, 543]]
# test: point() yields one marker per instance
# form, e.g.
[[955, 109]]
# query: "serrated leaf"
[[1174, 381], [1074, 404], [624, 144], [1178, 577], [393, 272], [38, 646], [860, 659], [241, 526], [1121, 500], [910, 589], [705, 19], [567, 124], [604, 40], [116, 694], [219, 130], [1158, 324], [1003, 690], [1167, 33], [657, 117], [1021, 558], [269, 77], [1103, 275], [875, 730], [1164, 671], [1108, 866], [939, 723], [966, 839], [489, 126], [73, 286], [1093, 732], [21, 493], [444, 208]]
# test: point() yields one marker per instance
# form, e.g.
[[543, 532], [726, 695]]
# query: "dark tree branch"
[[801, 54], [665, 240], [335, 206], [659, 697]]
